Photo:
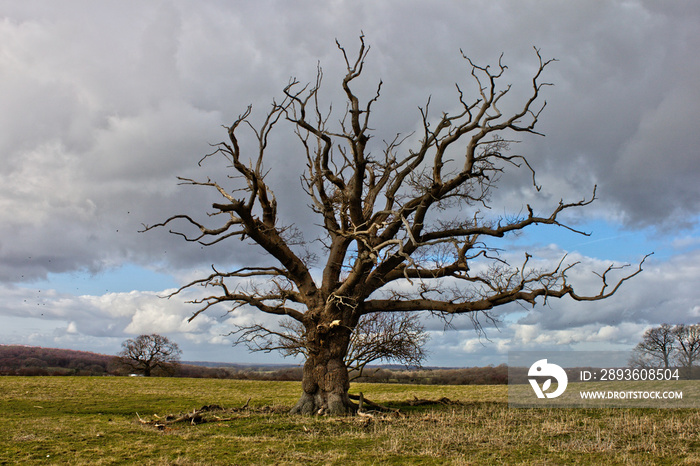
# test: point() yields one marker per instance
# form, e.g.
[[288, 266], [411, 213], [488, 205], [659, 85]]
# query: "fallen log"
[[195, 417], [422, 402], [376, 406]]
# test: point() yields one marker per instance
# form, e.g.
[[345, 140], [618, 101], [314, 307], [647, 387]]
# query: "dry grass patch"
[[93, 421]]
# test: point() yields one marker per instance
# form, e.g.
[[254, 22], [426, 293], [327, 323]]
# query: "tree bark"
[[325, 381]]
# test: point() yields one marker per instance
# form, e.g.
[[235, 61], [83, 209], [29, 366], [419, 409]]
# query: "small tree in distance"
[[656, 348], [150, 355], [398, 337], [688, 340], [666, 345], [405, 225]]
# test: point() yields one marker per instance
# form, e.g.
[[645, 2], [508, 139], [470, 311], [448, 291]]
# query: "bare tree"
[[150, 355], [395, 337], [656, 348], [388, 337], [405, 229], [688, 344]]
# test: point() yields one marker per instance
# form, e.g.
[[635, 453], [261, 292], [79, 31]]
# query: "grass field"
[[93, 420]]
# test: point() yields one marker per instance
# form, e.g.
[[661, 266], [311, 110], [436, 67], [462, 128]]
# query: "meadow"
[[93, 420]]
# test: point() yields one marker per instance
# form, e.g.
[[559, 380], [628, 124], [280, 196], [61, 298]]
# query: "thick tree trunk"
[[325, 382]]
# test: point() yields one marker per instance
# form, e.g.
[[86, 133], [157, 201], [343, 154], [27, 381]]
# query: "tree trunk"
[[325, 381]]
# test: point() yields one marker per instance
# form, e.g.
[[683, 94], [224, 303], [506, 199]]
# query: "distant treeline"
[[489, 375], [33, 360], [30, 361]]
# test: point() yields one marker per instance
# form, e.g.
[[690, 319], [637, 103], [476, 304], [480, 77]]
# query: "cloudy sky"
[[103, 104]]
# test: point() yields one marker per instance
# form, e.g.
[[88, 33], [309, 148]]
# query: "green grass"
[[86, 420]]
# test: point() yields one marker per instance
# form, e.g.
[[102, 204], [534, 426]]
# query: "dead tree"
[[406, 226]]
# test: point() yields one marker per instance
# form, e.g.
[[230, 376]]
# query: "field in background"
[[37, 361], [93, 420]]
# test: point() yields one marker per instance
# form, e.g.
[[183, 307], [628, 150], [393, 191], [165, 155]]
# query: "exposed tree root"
[[367, 411]]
